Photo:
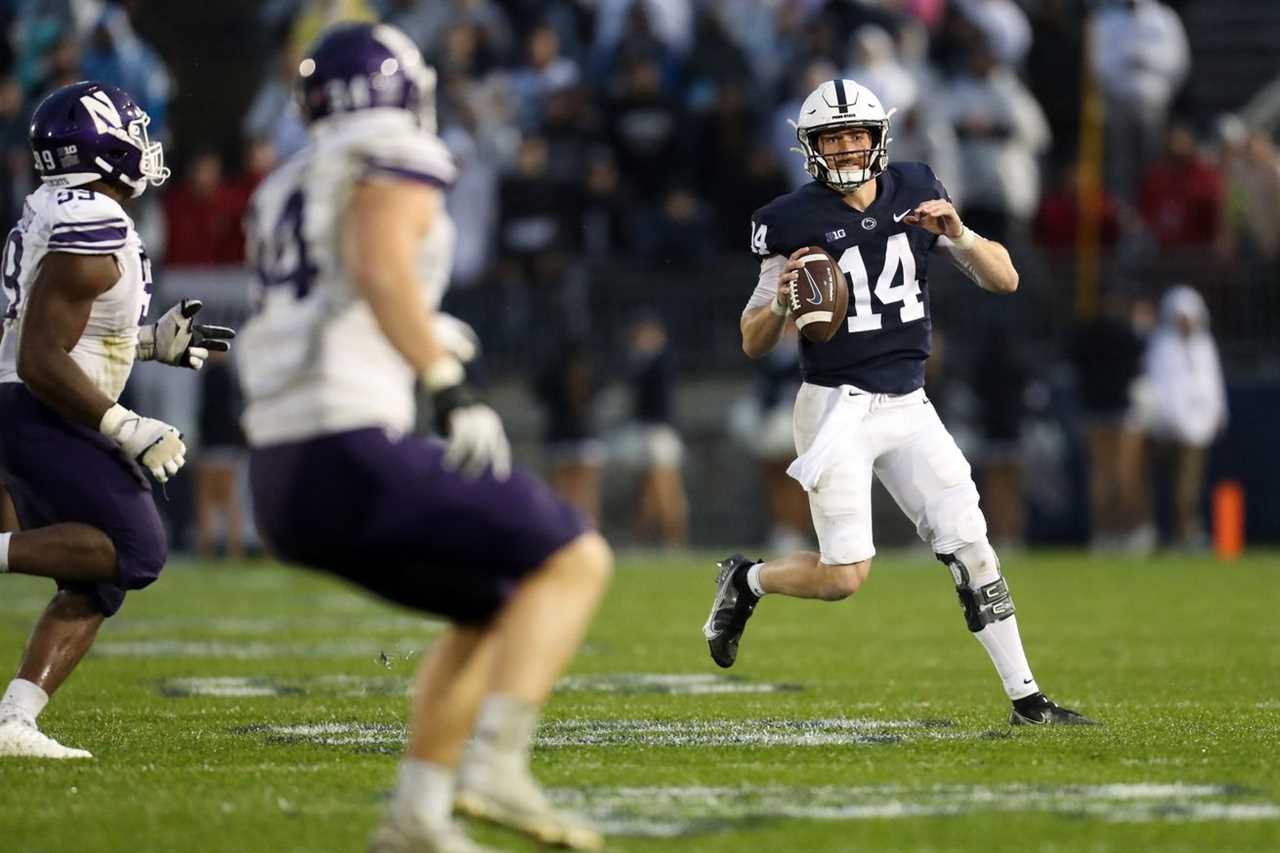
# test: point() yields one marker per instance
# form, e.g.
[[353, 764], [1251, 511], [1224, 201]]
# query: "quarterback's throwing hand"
[[937, 216], [176, 339]]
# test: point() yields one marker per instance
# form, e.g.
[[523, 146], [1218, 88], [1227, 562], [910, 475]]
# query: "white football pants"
[[845, 434]]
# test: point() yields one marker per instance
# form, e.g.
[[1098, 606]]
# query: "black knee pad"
[[986, 604]]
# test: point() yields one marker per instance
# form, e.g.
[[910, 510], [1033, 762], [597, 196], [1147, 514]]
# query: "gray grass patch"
[[238, 687], [670, 812], [681, 684]]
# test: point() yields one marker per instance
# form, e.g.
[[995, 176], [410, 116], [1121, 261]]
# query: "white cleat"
[[515, 801], [21, 739], [394, 836]]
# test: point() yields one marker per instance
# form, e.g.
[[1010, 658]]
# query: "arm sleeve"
[[960, 260], [767, 284]]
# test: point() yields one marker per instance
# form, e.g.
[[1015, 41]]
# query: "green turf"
[[1177, 656]]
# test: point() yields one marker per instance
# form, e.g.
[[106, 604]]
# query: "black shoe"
[[730, 609], [1039, 710]]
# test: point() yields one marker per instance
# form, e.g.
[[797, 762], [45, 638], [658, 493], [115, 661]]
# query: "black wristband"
[[447, 400]]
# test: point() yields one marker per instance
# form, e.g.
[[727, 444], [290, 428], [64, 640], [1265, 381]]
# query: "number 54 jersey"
[[885, 341], [312, 359], [79, 221]]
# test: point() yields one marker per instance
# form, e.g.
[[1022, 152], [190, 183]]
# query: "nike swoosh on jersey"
[[898, 217]]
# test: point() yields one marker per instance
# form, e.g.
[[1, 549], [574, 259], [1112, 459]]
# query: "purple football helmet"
[[356, 67], [86, 132]]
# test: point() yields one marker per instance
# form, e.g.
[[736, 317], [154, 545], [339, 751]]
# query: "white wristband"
[[444, 372], [112, 418], [967, 240], [776, 308]]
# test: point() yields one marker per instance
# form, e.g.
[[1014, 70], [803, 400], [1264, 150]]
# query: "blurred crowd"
[[590, 131]]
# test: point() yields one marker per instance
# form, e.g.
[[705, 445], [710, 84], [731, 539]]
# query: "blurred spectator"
[[604, 206], [1181, 196], [1003, 25], [618, 22], [761, 427], [567, 390], [1138, 52], [203, 215], [1188, 404], [650, 443], [429, 24], [15, 155], [873, 61], [716, 68], [545, 70], [219, 461], [1106, 352], [311, 17], [1001, 133], [1053, 76], [273, 114], [1251, 169], [115, 54], [472, 200], [1000, 384], [1058, 221]]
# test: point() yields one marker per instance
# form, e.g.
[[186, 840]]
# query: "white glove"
[[176, 339], [476, 439], [456, 336], [153, 444]]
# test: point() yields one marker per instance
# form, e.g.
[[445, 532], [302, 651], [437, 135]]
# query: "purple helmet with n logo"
[[355, 67], [86, 132]]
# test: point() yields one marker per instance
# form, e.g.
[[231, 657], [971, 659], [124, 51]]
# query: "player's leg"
[[89, 522], [64, 552], [932, 482], [506, 559], [840, 506], [539, 630]]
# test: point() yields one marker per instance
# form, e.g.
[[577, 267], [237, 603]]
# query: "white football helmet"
[[836, 104]]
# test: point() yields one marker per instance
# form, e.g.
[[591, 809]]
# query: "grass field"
[[253, 708]]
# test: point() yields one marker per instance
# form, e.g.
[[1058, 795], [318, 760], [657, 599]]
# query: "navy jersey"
[[885, 341]]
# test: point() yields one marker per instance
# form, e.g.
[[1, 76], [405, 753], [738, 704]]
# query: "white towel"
[[844, 412]]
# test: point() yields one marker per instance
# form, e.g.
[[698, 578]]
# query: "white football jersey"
[[82, 222], [312, 360]]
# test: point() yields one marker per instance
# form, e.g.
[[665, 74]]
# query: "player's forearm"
[[57, 381], [989, 260], [761, 331]]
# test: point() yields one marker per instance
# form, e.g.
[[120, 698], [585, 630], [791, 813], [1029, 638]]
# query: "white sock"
[[424, 793], [1004, 645], [4, 551], [753, 580], [23, 699], [1001, 639], [504, 731]]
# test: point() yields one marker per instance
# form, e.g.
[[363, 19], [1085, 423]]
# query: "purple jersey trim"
[[117, 234], [88, 249], [381, 168], [115, 222]]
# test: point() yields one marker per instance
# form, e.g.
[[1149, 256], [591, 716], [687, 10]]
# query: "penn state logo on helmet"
[[356, 67], [839, 104], [85, 132]]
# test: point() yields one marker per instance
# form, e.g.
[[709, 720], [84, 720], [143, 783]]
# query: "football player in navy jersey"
[[862, 409]]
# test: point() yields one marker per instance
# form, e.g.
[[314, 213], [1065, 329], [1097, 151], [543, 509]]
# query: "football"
[[820, 297]]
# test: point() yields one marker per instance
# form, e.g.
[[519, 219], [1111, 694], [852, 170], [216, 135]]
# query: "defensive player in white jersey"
[[78, 284], [352, 246], [862, 410]]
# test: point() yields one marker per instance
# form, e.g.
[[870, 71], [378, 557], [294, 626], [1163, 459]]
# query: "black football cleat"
[[730, 610], [1039, 710]]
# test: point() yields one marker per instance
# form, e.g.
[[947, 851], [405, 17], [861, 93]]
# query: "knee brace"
[[982, 590]]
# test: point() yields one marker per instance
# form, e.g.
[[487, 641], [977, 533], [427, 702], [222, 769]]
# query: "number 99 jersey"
[[885, 341], [312, 359]]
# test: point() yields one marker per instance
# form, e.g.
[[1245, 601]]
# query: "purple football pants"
[[57, 471], [382, 512]]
